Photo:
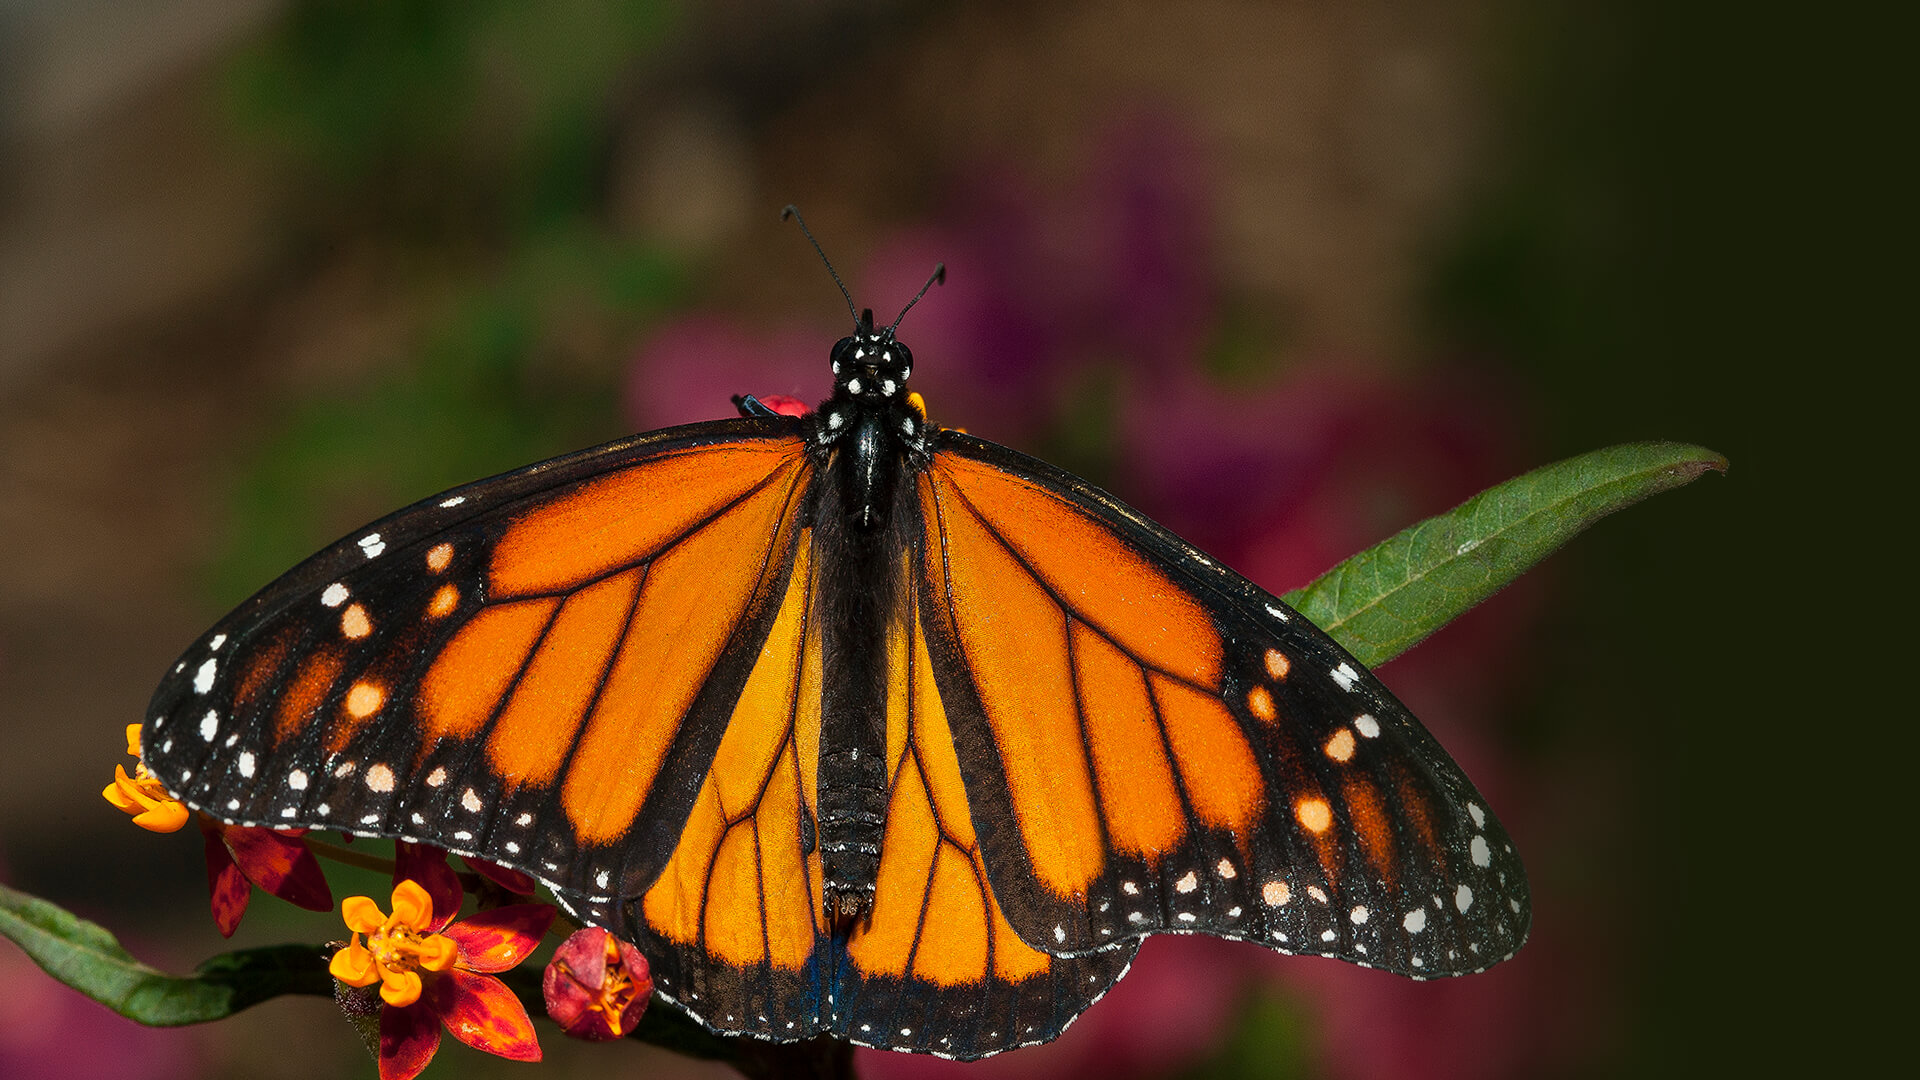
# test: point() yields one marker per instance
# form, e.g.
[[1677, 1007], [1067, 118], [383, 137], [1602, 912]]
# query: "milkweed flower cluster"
[[434, 973]]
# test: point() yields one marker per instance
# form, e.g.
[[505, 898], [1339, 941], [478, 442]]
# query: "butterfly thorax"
[[868, 440]]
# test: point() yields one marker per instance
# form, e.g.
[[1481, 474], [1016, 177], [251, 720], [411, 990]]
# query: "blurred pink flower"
[[689, 370]]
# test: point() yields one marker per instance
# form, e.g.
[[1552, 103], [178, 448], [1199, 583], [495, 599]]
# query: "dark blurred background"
[[1288, 276]]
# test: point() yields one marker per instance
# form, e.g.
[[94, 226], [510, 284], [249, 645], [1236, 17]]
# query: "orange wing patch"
[[1137, 787], [470, 675], [692, 599], [301, 701], [737, 883], [1076, 640], [934, 913], [1105, 582], [534, 731], [629, 516], [1014, 634]]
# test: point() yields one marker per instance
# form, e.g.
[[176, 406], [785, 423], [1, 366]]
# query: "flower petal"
[[427, 867], [408, 1038], [228, 887], [480, 1011], [353, 965], [500, 938], [412, 907], [438, 952], [362, 915], [165, 817], [116, 792], [282, 865], [133, 739], [399, 988]]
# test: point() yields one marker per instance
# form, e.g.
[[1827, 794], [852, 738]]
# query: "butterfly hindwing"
[[937, 966], [734, 923], [528, 669], [1152, 743]]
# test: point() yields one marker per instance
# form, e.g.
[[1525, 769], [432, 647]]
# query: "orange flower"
[[596, 985], [142, 796], [433, 974]]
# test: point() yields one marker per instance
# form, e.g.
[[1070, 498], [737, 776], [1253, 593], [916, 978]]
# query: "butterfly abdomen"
[[856, 550]]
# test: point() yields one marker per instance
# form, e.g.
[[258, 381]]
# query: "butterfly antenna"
[[939, 277], [792, 211]]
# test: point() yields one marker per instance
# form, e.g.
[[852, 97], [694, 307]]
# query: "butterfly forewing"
[[512, 669], [1152, 743]]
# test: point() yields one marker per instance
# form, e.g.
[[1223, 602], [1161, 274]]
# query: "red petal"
[[486, 1015], [408, 1038], [428, 866], [228, 886], [786, 405], [281, 865], [500, 938], [511, 880]]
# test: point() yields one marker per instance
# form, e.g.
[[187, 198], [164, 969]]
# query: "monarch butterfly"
[[852, 723]]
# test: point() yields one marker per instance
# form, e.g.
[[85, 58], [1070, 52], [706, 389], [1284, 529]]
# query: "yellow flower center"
[[402, 949], [616, 989], [396, 949]]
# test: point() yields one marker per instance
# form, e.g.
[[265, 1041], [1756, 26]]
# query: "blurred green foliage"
[[469, 141], [444, 111]]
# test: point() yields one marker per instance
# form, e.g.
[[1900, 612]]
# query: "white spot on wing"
[[371, 545], [1478, 849], [379, 778], [1359, 915], [218, 640], [203, 679], [335, 595], [1225, 869], [1278, 613], [437, 777], [601, 879], [297, 780], [1059, 933], [1463, 898], [1187, 884], [1478, 815], [246, 764], [209, 724], [1366, 725], [471, 800], [455, 501], [1415, 921], [1345, 676]]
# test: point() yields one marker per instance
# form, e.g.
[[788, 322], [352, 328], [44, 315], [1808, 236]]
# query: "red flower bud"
[[597, 985]]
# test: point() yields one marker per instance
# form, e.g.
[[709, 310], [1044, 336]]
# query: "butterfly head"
[[870, 365]]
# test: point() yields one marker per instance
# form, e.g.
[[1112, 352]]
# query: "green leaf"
[[1381, 602], [86, 957]]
